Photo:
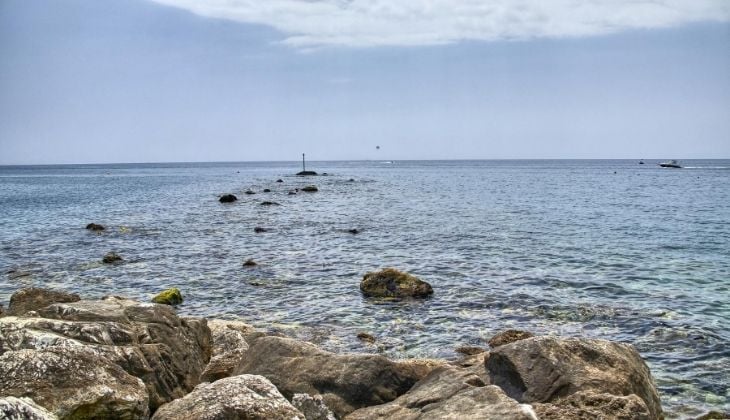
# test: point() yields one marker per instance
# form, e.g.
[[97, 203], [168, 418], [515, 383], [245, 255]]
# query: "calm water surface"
[[606, 249]]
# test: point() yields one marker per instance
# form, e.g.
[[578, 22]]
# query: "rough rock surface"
[[248, 397], [312, 407], [394, 284], [346, 382], [229, 346], [147, 340], [73, 382], [545, 369], [590, 405], [449, 393], [508, 336], [12, 408], [32, 299], [170, 296]]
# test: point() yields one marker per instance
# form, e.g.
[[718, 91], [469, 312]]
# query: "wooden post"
[[303, 168]]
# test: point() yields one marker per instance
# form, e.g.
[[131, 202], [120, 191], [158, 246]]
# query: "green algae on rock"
[[392, 283], [170, 296]]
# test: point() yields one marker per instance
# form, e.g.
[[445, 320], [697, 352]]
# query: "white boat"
[[670, 164]]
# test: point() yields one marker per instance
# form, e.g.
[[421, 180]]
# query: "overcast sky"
[[88, 81]]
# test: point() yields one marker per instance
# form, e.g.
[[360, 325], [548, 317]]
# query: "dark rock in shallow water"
[[95, 227], [279, 180], [250, 192], [73, 382], [267, 190], [394, 284], [310, 188], [249, 397], [449, 393], [306, 173], [16, 274], [346, 382], [249, 263], [366, 337], [353, 231], [351, 180], [12, 408], [714, 415], [544, 369], [292, 192], [269, 203], [33, 299], [170, 296], [111, 258], [259, 229], [228, 198], [508, 336]]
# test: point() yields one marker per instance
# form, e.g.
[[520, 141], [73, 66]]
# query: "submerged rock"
[[259, 229], [545, 369], [310, 188], [267, 190], [111, 258], [306, 173], [249, 263], [94, 227], [366, 337], [279, 180], [33, 299], [73, 382], [269, 203], [292, 192], [346, 382], [228, 198], [449, 392], [250, 192], [12, 408], [353, 231], [394, 284], [170, 296], [508, 336], [248, 397]]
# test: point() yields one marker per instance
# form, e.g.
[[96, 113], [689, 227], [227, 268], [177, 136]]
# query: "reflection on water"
[[554, 247]]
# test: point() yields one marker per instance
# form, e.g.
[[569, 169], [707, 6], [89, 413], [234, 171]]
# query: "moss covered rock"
[[169, 297], [394, 284]]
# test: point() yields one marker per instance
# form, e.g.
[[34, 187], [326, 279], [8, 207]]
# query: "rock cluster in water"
[[65, 358]]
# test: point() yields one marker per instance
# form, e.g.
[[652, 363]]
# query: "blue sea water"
[[598, 248]]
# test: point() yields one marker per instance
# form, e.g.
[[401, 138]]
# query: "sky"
[[88, 81]]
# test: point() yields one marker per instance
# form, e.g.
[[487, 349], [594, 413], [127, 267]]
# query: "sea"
[[608, 249]]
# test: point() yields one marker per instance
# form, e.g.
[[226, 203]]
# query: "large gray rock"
[[32, 299], [545, 369], [346, 382], [312, 407], [449, 393], [247, 397], [590, 405], [147, 340], [73, 382], [229, 345], [12, 408], [391, 283]]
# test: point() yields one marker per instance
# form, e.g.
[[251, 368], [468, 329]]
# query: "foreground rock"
[[12, 408], [392, 283], [546, 369], [449, 392], [228, 348], [147, 341], [240, 397], [312, 407], [346, 382], [594, 405], [73, 382], [32, 299]]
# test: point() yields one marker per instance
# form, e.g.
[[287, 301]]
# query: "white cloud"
[[316, 23]]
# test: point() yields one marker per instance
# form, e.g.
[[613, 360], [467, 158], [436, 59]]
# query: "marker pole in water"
[[303, 169]]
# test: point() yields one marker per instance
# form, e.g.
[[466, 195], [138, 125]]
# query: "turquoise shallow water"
[[607, 249]]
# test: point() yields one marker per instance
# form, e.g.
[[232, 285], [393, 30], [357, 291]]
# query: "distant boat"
[[670, 164]]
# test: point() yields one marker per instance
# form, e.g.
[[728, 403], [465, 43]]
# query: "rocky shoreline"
[[67, 358]]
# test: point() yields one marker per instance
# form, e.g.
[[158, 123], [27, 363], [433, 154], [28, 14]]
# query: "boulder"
[[228, 347], [508, 336], [449, 392], [392, 283], [170, 296], [545, 369], [589, 405], [111, 258], [73, 382], [250, 263], [248, 397], [32, 299], [12, 408], [346, 382], [149, 341], [310, 188], [312, 407], [94, 227], [228, 198]]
